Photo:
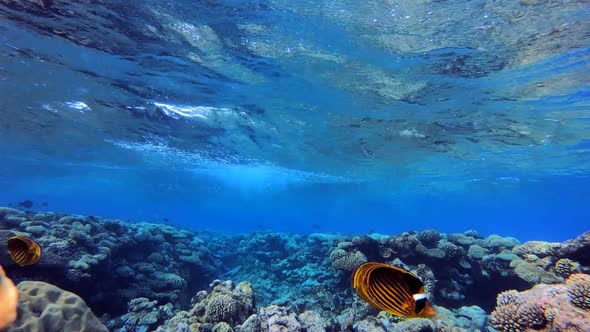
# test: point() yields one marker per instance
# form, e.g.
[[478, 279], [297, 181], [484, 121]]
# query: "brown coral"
[[508, 297], [505, 318], [565, 267], [514, 314], [578, 290], [533, 315], [542, 307]]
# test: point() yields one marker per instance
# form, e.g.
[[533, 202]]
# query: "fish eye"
[[421, 304]]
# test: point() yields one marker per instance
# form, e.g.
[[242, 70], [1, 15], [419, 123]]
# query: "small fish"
[[27, 204], [391, 289], [23, 251]]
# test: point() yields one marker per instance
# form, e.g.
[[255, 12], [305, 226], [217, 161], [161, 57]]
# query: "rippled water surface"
[[301, 116]]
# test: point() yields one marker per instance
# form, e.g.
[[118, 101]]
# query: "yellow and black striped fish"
[[23, 250], [391, 289]]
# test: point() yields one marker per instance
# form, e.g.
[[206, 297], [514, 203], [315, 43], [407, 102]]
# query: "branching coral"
[[509, 297], [505, 318], [514, 314], [221, 308], [347, 261]]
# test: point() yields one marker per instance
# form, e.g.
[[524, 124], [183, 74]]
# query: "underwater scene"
[[295, 165]]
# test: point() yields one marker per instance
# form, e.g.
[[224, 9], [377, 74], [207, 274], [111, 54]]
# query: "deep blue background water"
[[308, 116]]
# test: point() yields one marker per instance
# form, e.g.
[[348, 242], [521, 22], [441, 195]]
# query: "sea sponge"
[[578, 290], [347, 261], [44, 307], [9, 300]]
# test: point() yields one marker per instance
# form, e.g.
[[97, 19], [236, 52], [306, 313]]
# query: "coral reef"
[[44, 307], [9, 300], [144, 315], [145, 277], [225, 303], [122, 261], [556, 307], [578, 290]]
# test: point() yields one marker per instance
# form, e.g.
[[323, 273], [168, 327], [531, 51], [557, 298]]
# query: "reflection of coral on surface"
[[44, 307], [8, 300], [545, 307]]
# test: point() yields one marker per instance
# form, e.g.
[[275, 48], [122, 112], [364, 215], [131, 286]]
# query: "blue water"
[[307, 116]]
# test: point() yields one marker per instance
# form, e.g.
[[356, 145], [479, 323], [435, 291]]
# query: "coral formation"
[[578, 290], [225, 303], [545, 307], [347, 261], [44, 307], [143, 277], [565, 267], [144, 314], [122, 261]]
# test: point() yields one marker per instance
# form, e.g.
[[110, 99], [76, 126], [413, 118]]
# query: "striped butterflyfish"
[[391, 289], [23, 251]]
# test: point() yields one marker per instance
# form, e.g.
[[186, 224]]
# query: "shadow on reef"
[[141, 276]]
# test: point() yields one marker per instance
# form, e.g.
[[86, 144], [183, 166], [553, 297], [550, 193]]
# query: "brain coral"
[[44, 307], [578, 290]]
